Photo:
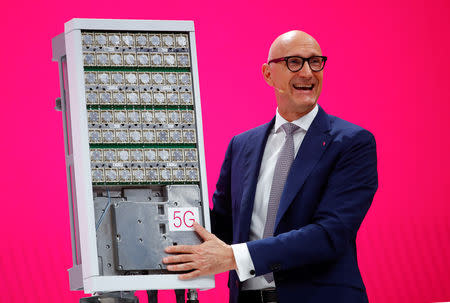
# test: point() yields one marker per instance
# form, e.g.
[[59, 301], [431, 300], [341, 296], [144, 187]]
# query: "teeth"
[[303, 86]]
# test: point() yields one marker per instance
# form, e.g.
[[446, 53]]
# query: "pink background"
[[387, 71]]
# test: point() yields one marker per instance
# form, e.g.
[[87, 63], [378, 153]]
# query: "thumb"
[[202, 232]]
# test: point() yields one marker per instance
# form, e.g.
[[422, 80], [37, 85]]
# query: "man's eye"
[[295, 61]]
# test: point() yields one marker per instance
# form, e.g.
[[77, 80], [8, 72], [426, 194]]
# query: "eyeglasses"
[[295, 63]]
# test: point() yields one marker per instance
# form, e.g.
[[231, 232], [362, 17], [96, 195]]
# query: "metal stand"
[[112, 297], [152, 296], [129, 297], [192, 296], [180, 295]]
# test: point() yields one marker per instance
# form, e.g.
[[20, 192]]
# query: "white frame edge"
[[128, 25], [81, 158], [199, 124]]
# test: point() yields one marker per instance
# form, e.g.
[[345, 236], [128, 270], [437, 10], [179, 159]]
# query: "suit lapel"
[[314, 144], [254, 150]]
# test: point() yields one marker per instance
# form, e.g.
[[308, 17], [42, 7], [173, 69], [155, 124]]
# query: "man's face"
[[296, 92]]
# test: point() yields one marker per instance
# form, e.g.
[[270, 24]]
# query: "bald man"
[[291, 195]]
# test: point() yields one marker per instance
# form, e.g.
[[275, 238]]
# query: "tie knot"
[[289, 128]]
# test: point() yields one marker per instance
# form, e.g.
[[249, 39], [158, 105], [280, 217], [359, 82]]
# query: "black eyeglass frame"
[[285, 59]]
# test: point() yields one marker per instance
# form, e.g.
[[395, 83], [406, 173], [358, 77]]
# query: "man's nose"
[[306, 71]]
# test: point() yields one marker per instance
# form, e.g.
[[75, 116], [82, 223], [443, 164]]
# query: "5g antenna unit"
[[135, 159]]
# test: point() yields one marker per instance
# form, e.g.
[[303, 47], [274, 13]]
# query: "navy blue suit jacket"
[[328, 192]]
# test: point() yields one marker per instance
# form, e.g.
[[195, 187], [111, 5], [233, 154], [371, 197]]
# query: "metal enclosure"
[[134, 150]]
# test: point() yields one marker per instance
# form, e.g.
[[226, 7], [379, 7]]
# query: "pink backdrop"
[[387, 71]]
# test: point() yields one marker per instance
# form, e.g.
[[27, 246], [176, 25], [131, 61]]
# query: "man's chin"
[[306, 103]]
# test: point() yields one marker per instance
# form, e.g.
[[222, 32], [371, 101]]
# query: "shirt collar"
[[303, 122]]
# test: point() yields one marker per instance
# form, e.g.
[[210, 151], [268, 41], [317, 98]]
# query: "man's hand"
[[211, 257]]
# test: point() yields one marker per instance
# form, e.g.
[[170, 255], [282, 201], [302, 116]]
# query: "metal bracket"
[[58, 106], [192, 296], [112, 297]]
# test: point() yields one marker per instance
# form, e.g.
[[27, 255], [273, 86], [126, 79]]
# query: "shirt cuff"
[[245, 269]]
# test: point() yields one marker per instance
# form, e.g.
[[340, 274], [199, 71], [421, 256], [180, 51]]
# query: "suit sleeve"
[[221, 214], [345, 201]]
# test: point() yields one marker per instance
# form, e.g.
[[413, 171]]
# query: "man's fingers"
[[206, 235], [181, 267], [178, 259], [191, 275], [179, 249]]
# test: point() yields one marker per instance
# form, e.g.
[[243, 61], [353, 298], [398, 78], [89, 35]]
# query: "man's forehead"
[[294, 43]]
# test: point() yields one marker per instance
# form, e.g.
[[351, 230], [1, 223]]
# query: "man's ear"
[[267, 74]]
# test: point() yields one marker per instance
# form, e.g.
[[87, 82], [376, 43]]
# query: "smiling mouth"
[[303, 86]]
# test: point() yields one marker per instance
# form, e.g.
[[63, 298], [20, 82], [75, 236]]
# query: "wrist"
[[233, 264]]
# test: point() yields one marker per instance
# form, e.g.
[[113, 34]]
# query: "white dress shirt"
[[275, 142]]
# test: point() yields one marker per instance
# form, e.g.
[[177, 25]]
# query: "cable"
[[104, 212]]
